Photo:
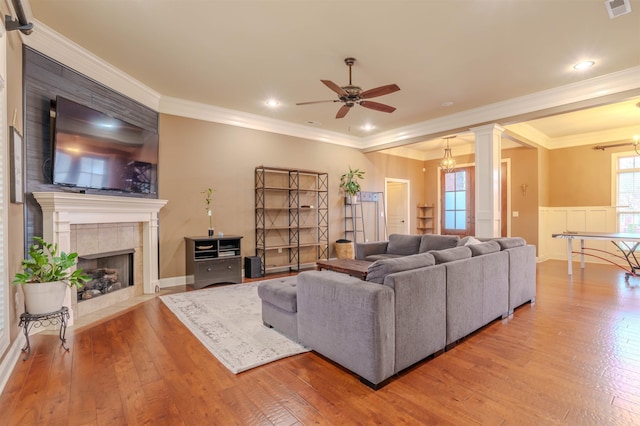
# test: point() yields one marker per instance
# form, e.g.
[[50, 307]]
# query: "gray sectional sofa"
[[422, 294]]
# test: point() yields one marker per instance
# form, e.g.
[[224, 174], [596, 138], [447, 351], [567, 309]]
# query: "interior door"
[[397, 193]]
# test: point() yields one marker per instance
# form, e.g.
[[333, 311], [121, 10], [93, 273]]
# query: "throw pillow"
[[403, 244], [472, 241], [379, 269], [449, 255], [468, 240]]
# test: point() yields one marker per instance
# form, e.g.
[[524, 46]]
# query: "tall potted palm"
[[350, 185], [46, 275]]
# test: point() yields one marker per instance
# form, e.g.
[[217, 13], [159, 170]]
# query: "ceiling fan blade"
[[331, 85], [377, 106], [343, 111], [315, 102], [379, 91]]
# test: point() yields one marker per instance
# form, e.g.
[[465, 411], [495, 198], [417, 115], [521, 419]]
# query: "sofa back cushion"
[[437, 242], [449, 255], [507, 243], [484, 248], [403, 244], [379, 269]]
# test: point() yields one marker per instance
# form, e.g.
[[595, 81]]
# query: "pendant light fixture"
[[448, 163]]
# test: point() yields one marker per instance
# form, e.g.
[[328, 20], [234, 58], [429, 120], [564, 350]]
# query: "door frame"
[[438, 218], [407, 193]]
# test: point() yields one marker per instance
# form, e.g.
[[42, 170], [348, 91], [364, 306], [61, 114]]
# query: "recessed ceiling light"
[[447, 104], [583, 65], [368, 127], [272, 103]]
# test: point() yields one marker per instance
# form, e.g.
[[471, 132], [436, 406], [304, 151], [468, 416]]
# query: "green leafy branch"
[[45, 264]]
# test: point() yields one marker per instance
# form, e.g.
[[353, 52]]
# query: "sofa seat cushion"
[[280, 293], [452, 254], [437, 242], [478, 249], [379, 269], [507, 243], [403, 245]]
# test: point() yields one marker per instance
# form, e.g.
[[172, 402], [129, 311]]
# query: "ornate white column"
[[150, 264], [488, 144]]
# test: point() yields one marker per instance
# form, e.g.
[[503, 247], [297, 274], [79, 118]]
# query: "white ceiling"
[[237, 54]]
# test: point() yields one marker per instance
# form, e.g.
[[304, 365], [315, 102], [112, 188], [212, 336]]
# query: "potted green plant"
[[46, 276], [350, 185]]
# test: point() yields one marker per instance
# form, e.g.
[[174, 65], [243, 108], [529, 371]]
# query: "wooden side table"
[[353, 267], [28, 321]]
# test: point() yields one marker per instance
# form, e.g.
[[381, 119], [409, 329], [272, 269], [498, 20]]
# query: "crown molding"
[[56, 46], [595, 138], [502, 112], [205, 112]]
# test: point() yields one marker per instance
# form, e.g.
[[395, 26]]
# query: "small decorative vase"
[[211, 232]]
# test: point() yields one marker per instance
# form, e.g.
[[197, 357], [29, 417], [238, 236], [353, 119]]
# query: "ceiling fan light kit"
[[351, 95]]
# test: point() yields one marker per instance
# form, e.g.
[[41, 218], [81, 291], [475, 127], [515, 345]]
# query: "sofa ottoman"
[[279, 305]]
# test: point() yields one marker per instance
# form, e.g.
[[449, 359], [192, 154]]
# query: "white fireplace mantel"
[[60, 210]]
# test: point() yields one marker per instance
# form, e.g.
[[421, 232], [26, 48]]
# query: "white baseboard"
[[176, 281], [9, 362]]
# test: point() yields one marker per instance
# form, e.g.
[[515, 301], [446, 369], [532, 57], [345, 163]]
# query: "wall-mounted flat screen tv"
[[93, 150]]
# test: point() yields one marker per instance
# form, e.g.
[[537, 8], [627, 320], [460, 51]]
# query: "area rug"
[[228, 322]]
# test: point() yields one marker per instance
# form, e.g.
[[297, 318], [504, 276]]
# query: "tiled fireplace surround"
[[91, 224]]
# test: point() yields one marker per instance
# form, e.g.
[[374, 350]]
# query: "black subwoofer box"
[[252, 267]]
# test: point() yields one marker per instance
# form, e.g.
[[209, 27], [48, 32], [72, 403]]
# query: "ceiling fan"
[[351, 95]]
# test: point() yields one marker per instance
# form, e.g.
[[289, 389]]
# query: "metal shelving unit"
[[292, 217]]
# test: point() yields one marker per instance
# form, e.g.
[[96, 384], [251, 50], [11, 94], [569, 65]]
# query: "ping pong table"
[[625, 242]]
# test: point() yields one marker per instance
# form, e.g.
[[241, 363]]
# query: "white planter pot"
[[351, 199], [42, 298]]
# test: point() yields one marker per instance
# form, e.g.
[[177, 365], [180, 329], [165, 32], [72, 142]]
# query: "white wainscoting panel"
[[555, 220]]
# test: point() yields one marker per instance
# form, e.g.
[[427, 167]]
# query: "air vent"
[[617, 8]]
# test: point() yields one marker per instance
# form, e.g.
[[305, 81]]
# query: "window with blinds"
[[4, 187], [628, 192]]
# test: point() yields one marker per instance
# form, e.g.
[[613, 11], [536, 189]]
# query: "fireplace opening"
[[109, 272]]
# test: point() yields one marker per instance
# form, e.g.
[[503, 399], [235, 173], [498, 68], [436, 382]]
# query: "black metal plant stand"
[[28, 321]]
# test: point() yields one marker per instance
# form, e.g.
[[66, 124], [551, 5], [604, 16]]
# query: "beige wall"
[[195, 155], [580, 176], [524, 171]]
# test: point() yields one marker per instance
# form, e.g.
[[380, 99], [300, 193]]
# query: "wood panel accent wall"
[[44, 79]]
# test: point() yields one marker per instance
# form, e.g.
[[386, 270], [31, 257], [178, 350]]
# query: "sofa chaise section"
[[349, 321]]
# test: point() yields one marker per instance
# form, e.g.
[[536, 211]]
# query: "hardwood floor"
[[572, 358]]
